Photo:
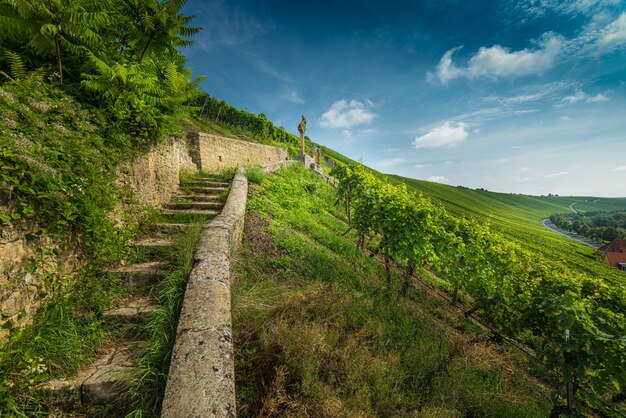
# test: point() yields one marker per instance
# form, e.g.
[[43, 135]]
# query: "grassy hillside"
[[317, 331]]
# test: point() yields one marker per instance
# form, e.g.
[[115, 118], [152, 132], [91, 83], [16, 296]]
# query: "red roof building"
[[615, 254]]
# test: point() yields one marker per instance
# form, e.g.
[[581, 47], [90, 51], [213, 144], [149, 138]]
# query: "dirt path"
[[571, 207], [554, 228]]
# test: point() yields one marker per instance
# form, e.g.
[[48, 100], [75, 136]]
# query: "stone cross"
[[302, 130]]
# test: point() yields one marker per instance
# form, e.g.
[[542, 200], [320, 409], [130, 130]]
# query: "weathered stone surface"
[[141, 274], [152, 242], [196, 314], [154, 176], [207, 190], [169, 228], [212, 241], [108, 380], [201, 198], [201, 378], [211, 212], [132, 310], [194, 205], [101, 382], [213, 153]]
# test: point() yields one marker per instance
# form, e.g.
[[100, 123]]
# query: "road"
[[586, 241]]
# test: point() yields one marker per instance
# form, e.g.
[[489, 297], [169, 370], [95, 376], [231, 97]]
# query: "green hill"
[[519, 216]]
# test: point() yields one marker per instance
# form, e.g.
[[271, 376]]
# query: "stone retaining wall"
[[213, 153], [153, 177]]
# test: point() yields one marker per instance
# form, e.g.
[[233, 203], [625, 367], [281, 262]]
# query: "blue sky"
[[512, 96]]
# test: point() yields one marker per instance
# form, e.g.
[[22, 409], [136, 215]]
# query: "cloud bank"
[[498, 61]]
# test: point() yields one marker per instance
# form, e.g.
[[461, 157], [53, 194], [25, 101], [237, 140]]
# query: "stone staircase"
[[103, 381]]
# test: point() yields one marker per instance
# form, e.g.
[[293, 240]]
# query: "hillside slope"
[[319, 332]]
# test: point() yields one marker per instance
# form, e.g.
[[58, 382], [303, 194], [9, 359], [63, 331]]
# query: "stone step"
[[134, 311], [194, 205], [207, 183], [102, 382], [207, 190], [191, 211], [155, 246], [141, 274], [168, 228], [152, 242], [198, 198]]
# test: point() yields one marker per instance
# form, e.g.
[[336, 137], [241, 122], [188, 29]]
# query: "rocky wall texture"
[[24, 262], [201, 380], [154, 176], [213, 153]]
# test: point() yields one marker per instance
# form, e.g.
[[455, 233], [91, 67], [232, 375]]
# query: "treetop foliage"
[[119, 55]]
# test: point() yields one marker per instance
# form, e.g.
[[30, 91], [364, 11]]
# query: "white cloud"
[[523, 170], [293, 97], [576, 97], [567, 6], [345, 115], [614, 33], [346, 134], [555, 175], [523, 179], [444, 136], [605, 33], [597, 98], [422, 165], [580, 96], [389, 162], [446, 70], [438, 179], [498, 61], [620, 168]]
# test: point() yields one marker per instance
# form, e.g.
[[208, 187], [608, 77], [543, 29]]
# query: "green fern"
[[16, 65]]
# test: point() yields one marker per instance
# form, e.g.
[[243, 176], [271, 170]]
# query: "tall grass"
[[149, 382]]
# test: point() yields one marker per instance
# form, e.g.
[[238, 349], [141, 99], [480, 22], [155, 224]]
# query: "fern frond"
[[16, 64]]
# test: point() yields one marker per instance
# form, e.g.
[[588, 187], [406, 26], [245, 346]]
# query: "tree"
[[158, 26], [51, 26]]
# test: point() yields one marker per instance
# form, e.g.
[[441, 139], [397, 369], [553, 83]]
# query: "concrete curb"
[[201, 380]]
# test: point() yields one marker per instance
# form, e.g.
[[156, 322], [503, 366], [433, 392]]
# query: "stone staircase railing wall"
[[201, 380], [213, 153]]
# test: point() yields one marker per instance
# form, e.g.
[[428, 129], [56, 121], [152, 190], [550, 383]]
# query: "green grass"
[[64, 335], [150, 378], [317, 331]]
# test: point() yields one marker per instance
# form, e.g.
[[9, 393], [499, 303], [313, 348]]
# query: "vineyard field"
[[518, 217]]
